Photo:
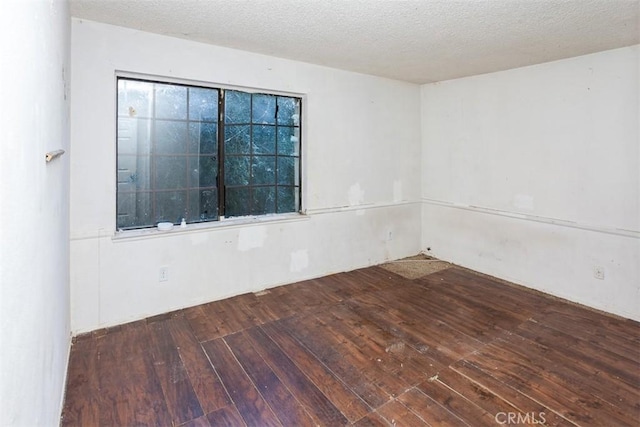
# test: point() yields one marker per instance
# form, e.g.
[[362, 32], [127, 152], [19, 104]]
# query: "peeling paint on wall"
[[251, 238], [299, 260], [356, 195]]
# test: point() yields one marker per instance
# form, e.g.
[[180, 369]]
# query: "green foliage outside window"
[[179, 157]]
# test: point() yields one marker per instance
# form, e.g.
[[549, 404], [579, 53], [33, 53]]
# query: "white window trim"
[[222, 222]]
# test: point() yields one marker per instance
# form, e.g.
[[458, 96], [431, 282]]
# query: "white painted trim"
[[201, 83], [152, 232], [320, 211], [536, 218], [63, 394], [226, 223]]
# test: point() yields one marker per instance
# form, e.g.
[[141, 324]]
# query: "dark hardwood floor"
[[368, 348]]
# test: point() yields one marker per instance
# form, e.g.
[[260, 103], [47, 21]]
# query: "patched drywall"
[[252, 237], [533, 175], [397, 191], [356, 195], [34, 211], [361, 143], [299, 260]]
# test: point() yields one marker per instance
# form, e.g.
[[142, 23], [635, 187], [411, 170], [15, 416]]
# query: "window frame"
[[221, 219]]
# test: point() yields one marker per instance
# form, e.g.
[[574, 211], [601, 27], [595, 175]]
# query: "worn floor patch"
[[416, 266]]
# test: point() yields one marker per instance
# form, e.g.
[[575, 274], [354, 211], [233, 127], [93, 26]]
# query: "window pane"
[[287, 170], [203, 205], [237, 201], [134, 98], [287, 199], [264, 200], [171, 206], [171, 172], [134, 135], [204, 171], [135, 172], [203, 138], [168, 156], [288, 111], [203, 104], [236, 170], [171, 137], [171, 102], [237, 107], [264, 139], [134, 210], [288, 140], [237, 139], [264, 109], [263, 170]]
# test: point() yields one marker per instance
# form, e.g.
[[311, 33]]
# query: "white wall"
[[34, 211], [532, 175], [361, 146]]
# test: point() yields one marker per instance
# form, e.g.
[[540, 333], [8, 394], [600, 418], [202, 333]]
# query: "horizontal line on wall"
[[355, 208], [536, 218], [225, 224], [152, 232]]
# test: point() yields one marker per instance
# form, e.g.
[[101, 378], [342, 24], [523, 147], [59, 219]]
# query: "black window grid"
[[220, 187]]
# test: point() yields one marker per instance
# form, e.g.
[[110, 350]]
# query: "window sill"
[[224, 224]]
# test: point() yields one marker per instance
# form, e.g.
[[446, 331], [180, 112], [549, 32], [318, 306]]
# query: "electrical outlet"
[[163, 275], [598, 272]]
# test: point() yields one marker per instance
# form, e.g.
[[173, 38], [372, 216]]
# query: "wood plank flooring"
[[364, 348]]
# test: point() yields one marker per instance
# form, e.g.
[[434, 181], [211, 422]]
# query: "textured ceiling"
[[419, 41]]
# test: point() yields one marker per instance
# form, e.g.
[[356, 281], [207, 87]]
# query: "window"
[[203, 153]]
